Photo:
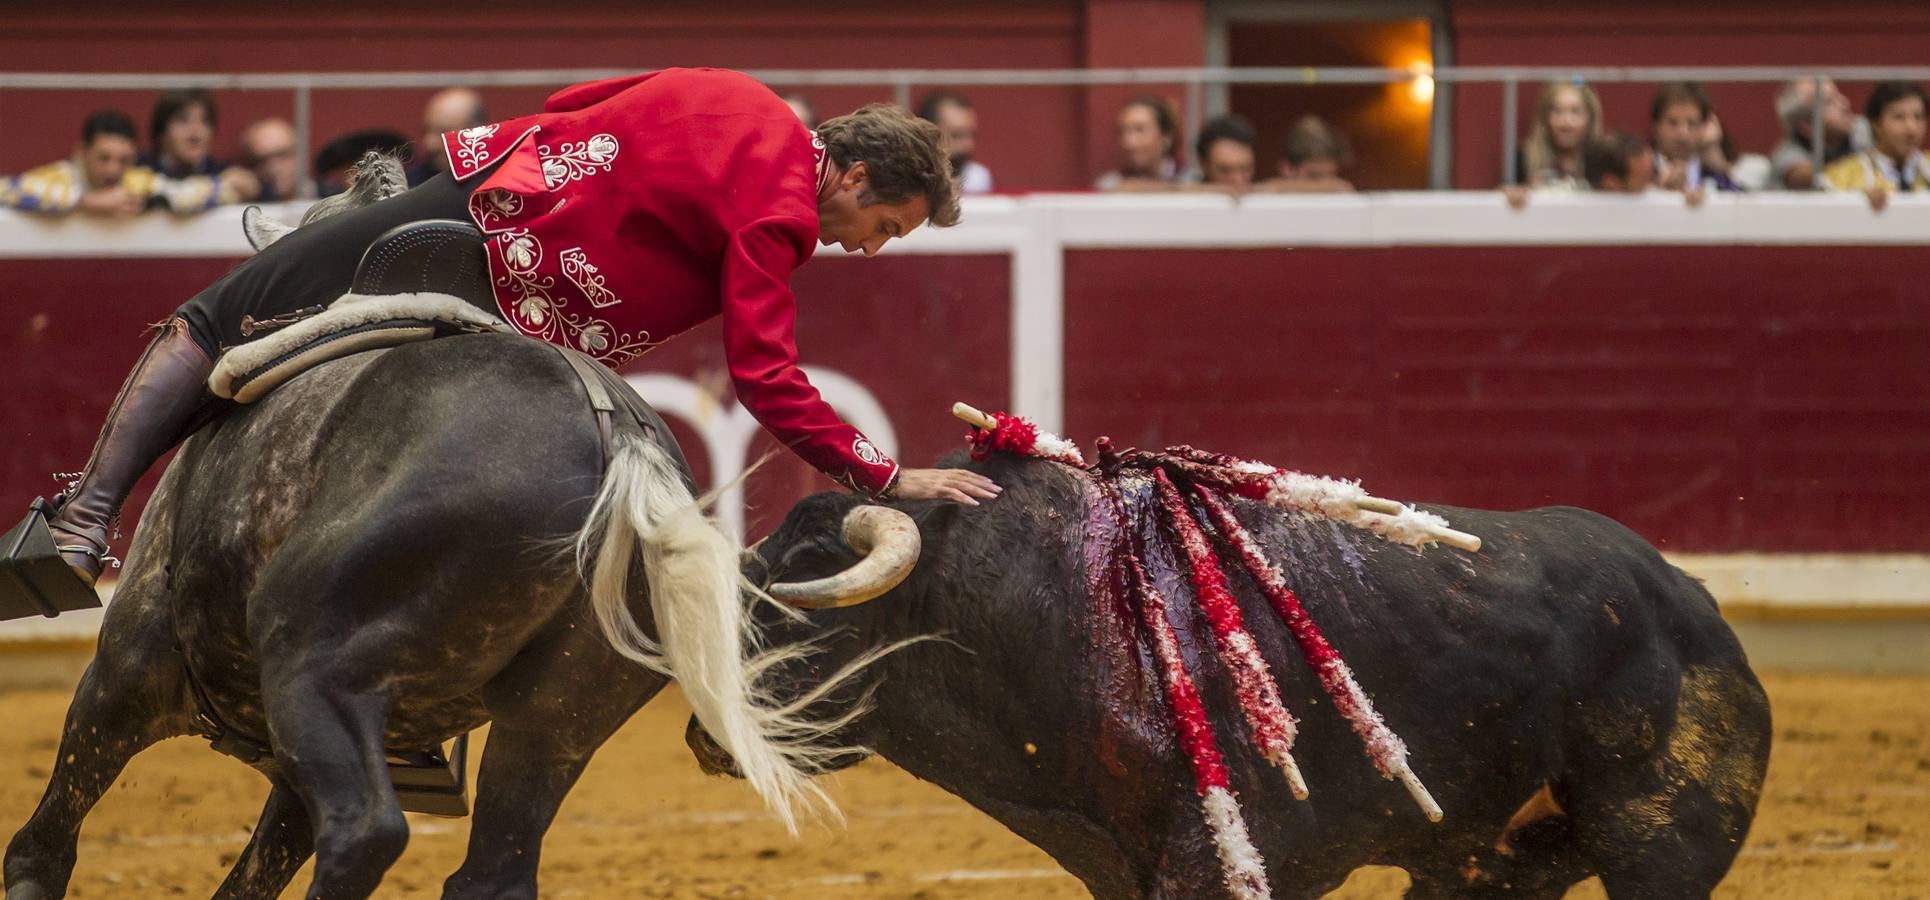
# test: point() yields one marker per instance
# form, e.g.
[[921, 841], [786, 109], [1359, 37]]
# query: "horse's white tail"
[[709, 643]]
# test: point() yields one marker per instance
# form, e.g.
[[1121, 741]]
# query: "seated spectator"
[[1618, 163], [181, 145], [1895, 161], [336, 157], [1311, 158], [103, 178], [1792, 162], [1148, 148], [451, 109], [268, 150], [1568, 116], [1225, 149], [1749, 170], [1676, 121], [801, 105], [181, 134], [955, 118]]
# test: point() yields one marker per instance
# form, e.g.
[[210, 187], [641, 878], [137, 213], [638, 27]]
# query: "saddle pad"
[[355, 323]]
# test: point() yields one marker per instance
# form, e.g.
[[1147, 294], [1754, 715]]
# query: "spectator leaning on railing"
[[1895, 162], [1225, 151], [268, 150], [1148, 148], [450, 109], [181, 147], [958, 122], [1568, 116], [103, 178], [1311, 158], [1791, 162], [1618, 163], [1676, 121]]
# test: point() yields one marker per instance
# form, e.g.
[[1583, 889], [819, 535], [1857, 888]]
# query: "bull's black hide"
[[1574, 702]]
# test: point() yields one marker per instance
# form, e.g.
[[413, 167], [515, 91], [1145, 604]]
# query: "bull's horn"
[[889, 541]]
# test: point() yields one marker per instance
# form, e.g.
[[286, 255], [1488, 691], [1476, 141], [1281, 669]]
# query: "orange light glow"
[[1421, 88]]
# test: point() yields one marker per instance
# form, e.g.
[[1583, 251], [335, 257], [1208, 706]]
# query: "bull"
[[1575, 702]]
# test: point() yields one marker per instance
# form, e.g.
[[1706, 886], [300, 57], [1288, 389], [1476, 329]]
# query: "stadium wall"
[[1744, 383]]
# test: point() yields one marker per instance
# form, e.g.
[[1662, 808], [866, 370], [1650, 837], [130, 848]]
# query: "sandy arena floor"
[[1846, 814]]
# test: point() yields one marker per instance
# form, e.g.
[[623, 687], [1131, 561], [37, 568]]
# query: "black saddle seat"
[[439, 256]]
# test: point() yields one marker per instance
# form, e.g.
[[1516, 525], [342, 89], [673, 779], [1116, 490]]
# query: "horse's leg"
[[132, 695], [537, 749], [327, 725], [282, 841]]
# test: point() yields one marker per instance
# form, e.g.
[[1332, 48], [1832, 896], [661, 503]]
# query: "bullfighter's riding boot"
[[152, 413]]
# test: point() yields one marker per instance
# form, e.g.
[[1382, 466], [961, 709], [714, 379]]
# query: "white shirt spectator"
[[974, 178]]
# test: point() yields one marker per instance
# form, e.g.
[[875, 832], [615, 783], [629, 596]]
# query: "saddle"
[[417, 281]]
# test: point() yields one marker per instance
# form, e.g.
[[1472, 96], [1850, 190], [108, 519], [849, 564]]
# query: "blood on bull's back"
[[1574, 702]]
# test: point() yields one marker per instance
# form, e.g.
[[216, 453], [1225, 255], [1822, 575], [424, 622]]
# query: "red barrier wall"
[[1714, 398]]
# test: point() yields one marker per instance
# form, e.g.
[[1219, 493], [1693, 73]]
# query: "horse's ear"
[[260, 229]]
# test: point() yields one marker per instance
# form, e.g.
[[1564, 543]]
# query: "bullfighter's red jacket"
[[630, 210]]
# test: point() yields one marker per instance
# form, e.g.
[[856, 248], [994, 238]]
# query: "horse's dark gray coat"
[[372, 557]]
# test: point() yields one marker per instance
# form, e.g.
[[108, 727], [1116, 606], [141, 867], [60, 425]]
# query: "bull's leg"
[[536, 752], [328, 733], [131, 696], [1669, 822], [282, 841]]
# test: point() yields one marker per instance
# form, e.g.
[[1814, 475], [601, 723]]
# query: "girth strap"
[[600, 399]]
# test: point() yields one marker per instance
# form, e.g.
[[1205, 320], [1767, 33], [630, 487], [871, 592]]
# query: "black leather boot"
[[152, 413]]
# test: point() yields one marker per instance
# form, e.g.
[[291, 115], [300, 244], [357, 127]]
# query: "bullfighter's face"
[[853, 218]]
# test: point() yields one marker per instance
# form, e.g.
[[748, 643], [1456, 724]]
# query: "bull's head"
[[832, 553]]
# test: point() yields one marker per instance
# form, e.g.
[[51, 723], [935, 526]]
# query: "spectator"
[[1895, 161], [1676, 121], [335, 158], [1311, 158], [451, 109], [1750, 171], [181, 145], [1226, 151], [1618, 163], [955, 118], [1792, 162], [801, 105], [1568, 116], [104, 178], [1148, 148], [268, 150]]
